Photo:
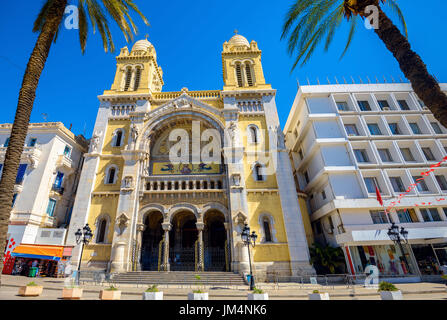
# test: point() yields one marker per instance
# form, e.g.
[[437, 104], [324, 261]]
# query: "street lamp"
[[249, 239], [83, 237], [397, 236]]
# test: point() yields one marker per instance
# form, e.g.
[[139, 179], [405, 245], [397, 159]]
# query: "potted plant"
[[71, 290], [388, 291], [317, 295], [30, 290], [258, 294], [110, 293], [152, 293], [444, 276], [198, 294]]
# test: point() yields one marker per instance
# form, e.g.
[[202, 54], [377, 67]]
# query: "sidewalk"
[[285, 291]]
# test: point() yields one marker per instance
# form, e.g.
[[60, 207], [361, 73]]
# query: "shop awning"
[[38, 252]]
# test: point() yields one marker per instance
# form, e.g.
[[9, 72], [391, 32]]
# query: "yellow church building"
[[171, 178]]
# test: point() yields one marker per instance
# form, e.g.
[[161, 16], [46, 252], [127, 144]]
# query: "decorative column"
[[165, 264], [140, 229], [200, 263], [227, 247]]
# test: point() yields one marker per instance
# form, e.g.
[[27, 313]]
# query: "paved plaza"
[[289, 291]]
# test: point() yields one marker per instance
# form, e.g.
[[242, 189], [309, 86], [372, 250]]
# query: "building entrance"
[[152, 237]]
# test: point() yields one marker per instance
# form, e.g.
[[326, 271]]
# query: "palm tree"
[[326, 257], [309, 22], [47, 24]]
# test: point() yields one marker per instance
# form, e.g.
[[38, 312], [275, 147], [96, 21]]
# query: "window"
[[128, 77], [428, 154], [420, 184], [300, 152], [323, 195], [318, 226], [351, 130], [406, 215], [403, 104], [394, 128], [364, 105], [361, 155], [436, 127], [406, 153], [442, 182], [383, 104], [385, 155], [421, 103], [342, 106], [14, 197], [32, 142], [258, 173], [239, 74], [379, 217], [415, 128], [21, 173], [397, 184], [249, 76], [430, 215], [67, 151], [253, 134], [137, 78], [331, 223], [111, 175], [58, 180], [6, 143], [374, 129], [267, 230], [51, 206], [118, 138], [101, 231], [371, 183]]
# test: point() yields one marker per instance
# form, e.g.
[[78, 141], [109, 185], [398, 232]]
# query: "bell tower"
[[137, 71], [242, 67]]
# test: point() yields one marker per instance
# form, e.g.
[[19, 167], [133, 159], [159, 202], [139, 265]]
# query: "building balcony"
[[30, 155], [58, 189], [65, 164]]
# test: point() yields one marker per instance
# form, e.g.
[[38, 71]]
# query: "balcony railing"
[[58, 189], [195, 183]]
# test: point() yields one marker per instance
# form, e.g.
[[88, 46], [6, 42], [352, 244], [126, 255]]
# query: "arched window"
[[253, 134], [258, 172], [128, 78], [267, 229], [100, 237], [118, 138], [137, 78], [249, 75], [239, 75], [111, 175]]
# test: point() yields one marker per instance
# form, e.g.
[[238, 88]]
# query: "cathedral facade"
[[171, 178]]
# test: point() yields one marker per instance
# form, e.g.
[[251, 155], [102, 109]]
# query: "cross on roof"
[[235, 31]]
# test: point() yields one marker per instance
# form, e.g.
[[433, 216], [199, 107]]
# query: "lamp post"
[[249, 240], [397, 236], [83, 237]]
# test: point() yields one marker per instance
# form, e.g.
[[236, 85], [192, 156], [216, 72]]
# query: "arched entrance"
[[214, 238], [182, 242], [150, 246]]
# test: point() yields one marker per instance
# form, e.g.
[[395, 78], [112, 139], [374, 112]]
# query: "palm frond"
[[392, 4]]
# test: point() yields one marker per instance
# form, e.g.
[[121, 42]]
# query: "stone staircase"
[[179, 278]]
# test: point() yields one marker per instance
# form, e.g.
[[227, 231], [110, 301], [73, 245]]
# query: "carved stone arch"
[[185, 207], [215, 206], [148, 209], [132, 66], [157, 119], [241, 61]]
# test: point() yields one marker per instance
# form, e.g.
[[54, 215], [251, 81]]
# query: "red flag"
[[379, 196]]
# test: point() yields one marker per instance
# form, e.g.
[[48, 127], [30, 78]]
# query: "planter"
[[391, 295], [110, 295], [152, 295], [72, 293], [30, 291], [319, 296], [198, 296], [258, 296]]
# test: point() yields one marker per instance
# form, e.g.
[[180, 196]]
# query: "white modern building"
[[344, 140], [45, 184]]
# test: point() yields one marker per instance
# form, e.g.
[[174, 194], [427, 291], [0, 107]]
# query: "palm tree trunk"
[[25, 103], [411, 64]]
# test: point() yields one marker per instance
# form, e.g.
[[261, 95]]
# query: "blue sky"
[[188, 38]]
